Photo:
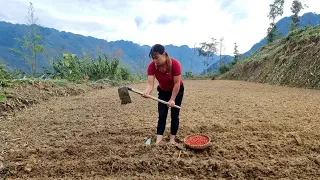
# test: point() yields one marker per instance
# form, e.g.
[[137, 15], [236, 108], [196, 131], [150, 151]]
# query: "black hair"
[[157, 48]]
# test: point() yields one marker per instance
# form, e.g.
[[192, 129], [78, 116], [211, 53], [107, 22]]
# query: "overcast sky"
[[177, 22]]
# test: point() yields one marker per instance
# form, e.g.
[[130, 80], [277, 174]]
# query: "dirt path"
[[258, 131]]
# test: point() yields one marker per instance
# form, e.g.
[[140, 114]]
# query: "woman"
[[167, 71]]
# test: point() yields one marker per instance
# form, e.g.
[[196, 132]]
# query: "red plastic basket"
[[197, 141]]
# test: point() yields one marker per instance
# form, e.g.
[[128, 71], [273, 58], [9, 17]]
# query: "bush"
[[4, 76], [223, 69], [188, 74], [73, 68], [125, 73]]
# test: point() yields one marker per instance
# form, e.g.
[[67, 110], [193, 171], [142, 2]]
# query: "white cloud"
[[177, 22]]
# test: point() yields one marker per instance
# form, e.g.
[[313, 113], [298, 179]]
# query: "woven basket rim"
[[198, 146]]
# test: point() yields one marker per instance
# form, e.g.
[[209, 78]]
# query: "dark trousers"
[[163, 110]]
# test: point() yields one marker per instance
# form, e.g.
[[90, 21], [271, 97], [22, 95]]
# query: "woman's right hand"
[[145, 94]]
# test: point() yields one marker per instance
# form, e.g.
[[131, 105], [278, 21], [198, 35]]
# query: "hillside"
[[283, 26], [56, 42], [293, 61]]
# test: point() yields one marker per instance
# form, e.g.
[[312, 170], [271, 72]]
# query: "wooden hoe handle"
[[154, 98]]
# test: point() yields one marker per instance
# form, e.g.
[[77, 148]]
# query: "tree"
[[221, 50], [194, 55], [295, 9], [30, 41], [272, 33], [208, 50], [236, 54], [276, 9]]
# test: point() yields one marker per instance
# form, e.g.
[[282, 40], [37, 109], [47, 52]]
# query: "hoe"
[[125, 96]]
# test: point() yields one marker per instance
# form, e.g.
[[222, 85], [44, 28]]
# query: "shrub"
[[73, 68], [4, 76], [223, 69], [188, 74]]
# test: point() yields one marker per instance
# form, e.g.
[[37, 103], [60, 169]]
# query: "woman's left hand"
[[171, 103]]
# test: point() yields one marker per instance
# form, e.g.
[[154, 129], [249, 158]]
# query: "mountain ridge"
[[134, 55], [57, 41]]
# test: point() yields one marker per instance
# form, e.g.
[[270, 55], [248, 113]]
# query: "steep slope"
[[283, 26], [293, 61], [56, 42]]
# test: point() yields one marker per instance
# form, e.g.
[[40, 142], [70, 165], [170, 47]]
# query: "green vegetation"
[[30, 42], [75, 69], [188, 75], [291, 61], [276, 9], [208, 50], [3, 73], [295, 8]]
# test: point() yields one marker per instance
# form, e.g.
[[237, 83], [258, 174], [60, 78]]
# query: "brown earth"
[[22, 95], [258, 131]]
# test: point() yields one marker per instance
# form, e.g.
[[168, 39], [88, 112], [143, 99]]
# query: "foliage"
[[188, 74], [306, 34], [73, 68], [273, 33], [295, 8], [208, 50], [276, 9], [2, 98], [221, 47], [236, 53], [30, 42], [223, 69], [4, 76]]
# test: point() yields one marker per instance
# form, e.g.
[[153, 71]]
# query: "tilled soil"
[[258, 131]]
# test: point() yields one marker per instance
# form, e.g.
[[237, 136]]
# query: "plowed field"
[[258, 131]]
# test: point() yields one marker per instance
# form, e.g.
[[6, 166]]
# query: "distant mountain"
[[56, 42], [283, 26]]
